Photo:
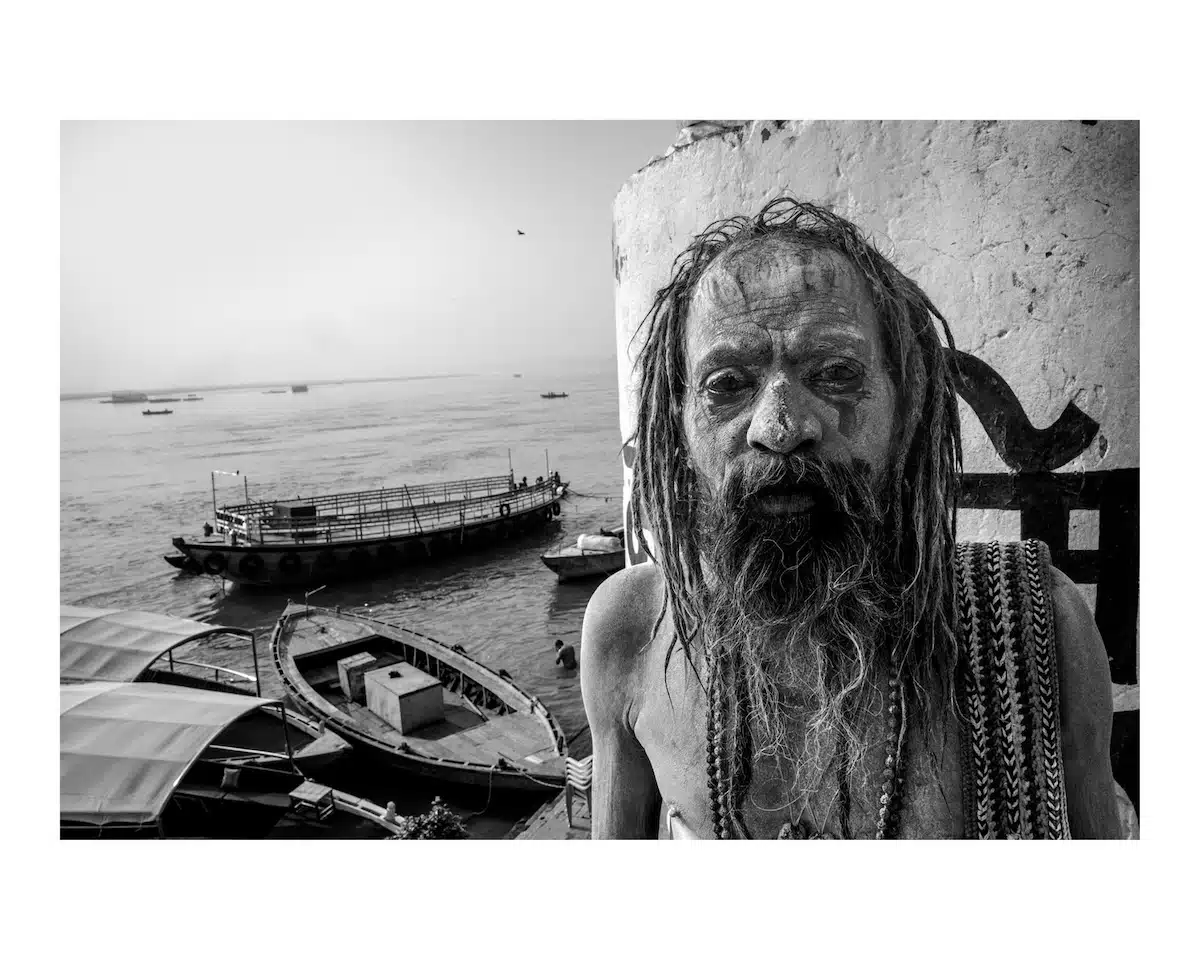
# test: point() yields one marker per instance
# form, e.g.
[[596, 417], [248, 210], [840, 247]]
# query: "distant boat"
[[191, 396], [299, 388], [552, 395], [162, 400], [416, 704], [592, 556], [516, 374], [274, 391], [155, 413], [127, 396]]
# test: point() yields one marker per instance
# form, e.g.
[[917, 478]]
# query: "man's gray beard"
[[800, 602]]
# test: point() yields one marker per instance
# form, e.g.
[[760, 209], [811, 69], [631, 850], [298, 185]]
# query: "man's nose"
[[784, 420]]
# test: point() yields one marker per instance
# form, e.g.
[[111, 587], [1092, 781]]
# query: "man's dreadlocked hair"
[[927, 456]]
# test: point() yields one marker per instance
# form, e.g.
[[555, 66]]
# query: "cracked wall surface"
[[1025, 234]]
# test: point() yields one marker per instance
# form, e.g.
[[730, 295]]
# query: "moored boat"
[[317, 540], [553, 396], [156, 413], [129, 646], [592, 555], [422, 707], [145, 760]]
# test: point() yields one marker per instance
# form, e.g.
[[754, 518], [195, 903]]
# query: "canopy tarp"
[[124, 747], [96, 644]]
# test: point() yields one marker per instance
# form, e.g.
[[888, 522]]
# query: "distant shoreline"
[[160, 391]]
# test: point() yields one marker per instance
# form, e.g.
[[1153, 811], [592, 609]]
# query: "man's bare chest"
[[821, 797]]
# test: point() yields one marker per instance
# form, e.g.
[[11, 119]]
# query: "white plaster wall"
[[1024, 234]]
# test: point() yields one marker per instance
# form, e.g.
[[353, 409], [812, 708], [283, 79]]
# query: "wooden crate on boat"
[[404, 696], [351, 671]]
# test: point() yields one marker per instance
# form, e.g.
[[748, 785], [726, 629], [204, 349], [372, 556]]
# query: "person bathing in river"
[[565, 655], [809, 655]]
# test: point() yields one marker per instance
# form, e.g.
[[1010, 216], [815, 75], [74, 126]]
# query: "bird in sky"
[[520, 233]]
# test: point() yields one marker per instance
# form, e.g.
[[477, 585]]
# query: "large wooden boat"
[[133, 646], [144, 760], [591, 556], [423, 707], [317, 540]]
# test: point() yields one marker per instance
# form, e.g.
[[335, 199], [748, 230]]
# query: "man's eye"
[[840, 375], [725, 384]]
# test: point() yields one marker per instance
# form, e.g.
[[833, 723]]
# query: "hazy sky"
[[196, 253]]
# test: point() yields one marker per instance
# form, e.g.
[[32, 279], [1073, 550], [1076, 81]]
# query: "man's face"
[[784, 356]]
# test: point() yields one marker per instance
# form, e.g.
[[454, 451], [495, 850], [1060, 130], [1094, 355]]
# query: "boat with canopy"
[[423, 707], [130, 646], [144, 760]]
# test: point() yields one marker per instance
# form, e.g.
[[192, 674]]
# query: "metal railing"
[[379, 520], [406, 496]]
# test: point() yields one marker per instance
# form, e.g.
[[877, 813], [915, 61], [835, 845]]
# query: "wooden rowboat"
[[422, 707], [581, 561], [318, 540]]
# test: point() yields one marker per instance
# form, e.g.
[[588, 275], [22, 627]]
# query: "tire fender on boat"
[[214, 563], [326, 560], [505, 510], [556, 508], [251, 565], [290, 563]]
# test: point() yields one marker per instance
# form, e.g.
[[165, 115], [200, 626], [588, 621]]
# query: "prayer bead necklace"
[[724, 793]]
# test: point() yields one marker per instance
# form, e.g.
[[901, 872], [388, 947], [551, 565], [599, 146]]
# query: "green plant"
[[439, 823]]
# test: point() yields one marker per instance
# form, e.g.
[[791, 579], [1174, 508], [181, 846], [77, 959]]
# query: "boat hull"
[[584, 566], [315, 564]]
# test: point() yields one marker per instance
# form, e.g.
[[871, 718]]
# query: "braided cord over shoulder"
[[1013, 771]]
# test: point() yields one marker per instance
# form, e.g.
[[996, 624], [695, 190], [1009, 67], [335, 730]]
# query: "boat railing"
[[407, 495], [218, 673], [395, 520]]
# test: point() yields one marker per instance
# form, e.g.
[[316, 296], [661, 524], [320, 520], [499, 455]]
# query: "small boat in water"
[[343, 536], [134, 646], [422, 707], [593, 555], [146, 760], [553, 396], [274, 391], [299, 388], [156, 413], [190, 397]]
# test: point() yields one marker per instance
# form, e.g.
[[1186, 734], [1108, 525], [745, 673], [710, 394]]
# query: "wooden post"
[[254, 651]]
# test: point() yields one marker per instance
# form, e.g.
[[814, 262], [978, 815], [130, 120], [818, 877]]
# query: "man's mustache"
[[845, 487]]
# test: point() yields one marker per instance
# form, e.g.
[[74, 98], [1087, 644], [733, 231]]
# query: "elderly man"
[[810, 655]]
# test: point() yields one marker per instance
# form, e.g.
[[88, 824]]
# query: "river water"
[[130, 483]]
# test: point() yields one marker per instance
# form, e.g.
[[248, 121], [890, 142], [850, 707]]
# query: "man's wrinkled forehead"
[[773, 274]]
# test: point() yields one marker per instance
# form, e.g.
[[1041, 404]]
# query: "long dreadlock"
[[927, 451]]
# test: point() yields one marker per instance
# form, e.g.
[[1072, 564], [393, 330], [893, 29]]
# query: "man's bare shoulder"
[[1083, 660], [1085, 688], [621, 615]]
